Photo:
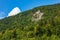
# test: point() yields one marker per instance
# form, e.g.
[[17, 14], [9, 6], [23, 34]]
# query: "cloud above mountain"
[[15, 11], [2, 15]]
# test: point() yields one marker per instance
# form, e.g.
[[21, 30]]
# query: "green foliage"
[[21, 27]]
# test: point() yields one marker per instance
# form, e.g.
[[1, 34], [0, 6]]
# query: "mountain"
[[15, 11], [40, 23]]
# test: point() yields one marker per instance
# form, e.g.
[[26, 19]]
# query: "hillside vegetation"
[[21, 26]]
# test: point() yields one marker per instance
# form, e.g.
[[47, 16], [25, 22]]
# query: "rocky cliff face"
[[37, 16]]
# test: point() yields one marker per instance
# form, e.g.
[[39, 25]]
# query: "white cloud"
[[2, 15], [15, 11]]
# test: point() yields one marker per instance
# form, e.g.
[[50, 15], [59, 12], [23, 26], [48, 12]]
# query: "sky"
[[7, 5]]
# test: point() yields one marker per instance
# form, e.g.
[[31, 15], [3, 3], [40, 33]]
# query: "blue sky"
[[7, 5]]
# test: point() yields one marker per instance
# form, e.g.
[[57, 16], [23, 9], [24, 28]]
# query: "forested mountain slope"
[[23, 27]]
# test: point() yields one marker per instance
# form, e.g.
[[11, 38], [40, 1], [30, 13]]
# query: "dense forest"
[[21, 27]]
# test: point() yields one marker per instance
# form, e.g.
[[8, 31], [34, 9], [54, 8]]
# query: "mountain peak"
[[15, 11]]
